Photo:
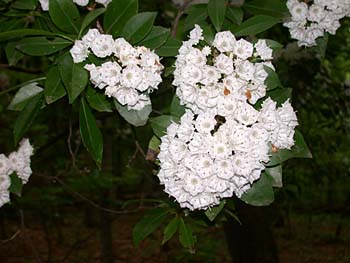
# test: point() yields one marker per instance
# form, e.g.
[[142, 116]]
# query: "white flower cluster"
[[222, 143], [205, 158], [45, 3], [130, 75], [219, 77], [308, 22], [19, 162]]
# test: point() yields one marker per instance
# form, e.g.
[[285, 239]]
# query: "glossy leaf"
[[156, 38], [117, 14], [196, 14], [25, 4], [280, 95], [170, 229], [54, 88], [276, 174], [160, 124], [213, 212], [217, 11], [98, 101], [134, 117], [186, 237], [16, 185], [261, 193], [235, 14], [26, 116], [23, 95], [170, 48], [65, 15], [42, 46], [12, 54], [299, 150], [255, 25], [176, 109], [74, 76], [19, 33], [90, 17], [147, 225], [138, 26], [275, 8], [90, 133], [272, 81]]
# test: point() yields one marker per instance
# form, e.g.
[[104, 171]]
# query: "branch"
[[180, 12]]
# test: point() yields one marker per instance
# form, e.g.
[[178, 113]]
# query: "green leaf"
[[213, 212], [134, 117], [42, 46], [255, 25], [208, 32], [147, 225], [280, 95], [25, 4], [273, 44], [156, 38], [176, 109], [170, 229], [117, 14], [261, 193], [90, 133], [138, 26], [23, 95], [235, 14], [186, 237], [299, 150], [154, 144], [90, 17], [275, 8], [12, 54], [19, 33], [54, 88], [170, 48], [98, 101], [217, 11], [27, 115], [196, 14], [16, 185], [65, 15], [272, 81], [74, 76], [276, 174], [160, 124]]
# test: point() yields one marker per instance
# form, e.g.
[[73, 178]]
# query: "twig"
[[38, 259], [180, 12], [12, 237], [87, 200], [70, 145]]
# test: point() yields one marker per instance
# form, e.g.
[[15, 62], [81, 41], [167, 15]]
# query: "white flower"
[[224, 64], [224, 41], [79, 51], [205, 123], [245, 69], [131, 76], [4, 166], [44, 5], [196, 35], [90, 36], [299, 11], [81, 2], [4, 197], [103, 45], [103, 2], [243, 49], [191, 74], [263, 50], [316, 13]]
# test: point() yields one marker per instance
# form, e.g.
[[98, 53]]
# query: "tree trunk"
[[253, 241]]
